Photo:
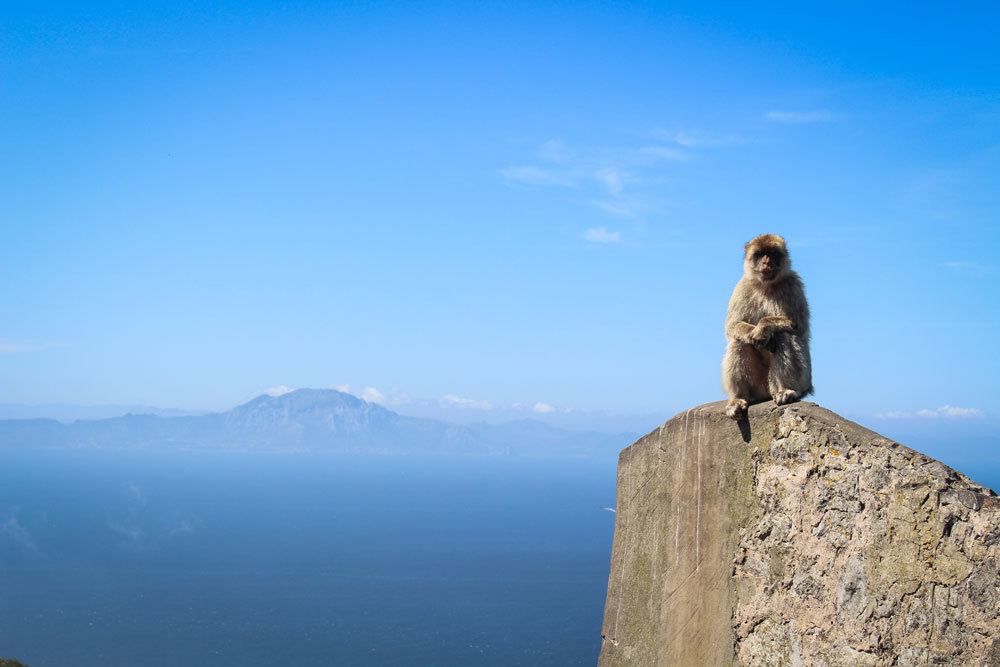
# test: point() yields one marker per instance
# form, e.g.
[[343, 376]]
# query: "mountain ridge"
[[309, 420]]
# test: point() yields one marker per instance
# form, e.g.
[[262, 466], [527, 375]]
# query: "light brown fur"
[[767, 327]]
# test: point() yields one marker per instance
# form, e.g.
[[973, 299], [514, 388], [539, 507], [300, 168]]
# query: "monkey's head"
[[765, 258]]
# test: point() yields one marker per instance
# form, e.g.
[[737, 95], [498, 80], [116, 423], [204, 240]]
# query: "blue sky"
[[513, 207]]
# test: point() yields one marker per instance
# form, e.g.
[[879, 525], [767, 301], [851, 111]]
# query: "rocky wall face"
[[802, 540]]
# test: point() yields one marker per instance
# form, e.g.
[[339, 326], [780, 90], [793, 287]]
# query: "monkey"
[[767, 329]]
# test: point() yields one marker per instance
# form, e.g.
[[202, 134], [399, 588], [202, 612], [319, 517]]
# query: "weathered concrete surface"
[[805, 540]]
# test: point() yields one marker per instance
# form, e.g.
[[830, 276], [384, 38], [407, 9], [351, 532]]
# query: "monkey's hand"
[[741, 332], [776, 324], [760, 336], [767, 327]]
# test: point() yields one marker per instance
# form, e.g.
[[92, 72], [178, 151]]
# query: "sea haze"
[[235, 558], [318, 420]]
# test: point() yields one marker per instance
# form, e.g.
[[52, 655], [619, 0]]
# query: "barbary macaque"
[[768, 331]]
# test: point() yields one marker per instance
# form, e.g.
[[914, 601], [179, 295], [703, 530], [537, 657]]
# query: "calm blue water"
[[150, 559]]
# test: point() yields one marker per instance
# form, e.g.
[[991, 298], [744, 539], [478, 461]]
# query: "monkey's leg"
[[790, 375], [744, 377]]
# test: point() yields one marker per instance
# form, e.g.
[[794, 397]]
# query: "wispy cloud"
[[662, 153], [14, 348], [279, 390], [974, 268], [612, 170], [951, 411], [624, 181], [944, 412], [612, 178], [453, 401], [543, 408], [602, 235], [616, 208], [538, 177], [555, 151], [696, 139], [373, 394], [799, 117]]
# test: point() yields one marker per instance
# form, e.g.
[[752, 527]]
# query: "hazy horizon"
[[968, 443], [447, 409]]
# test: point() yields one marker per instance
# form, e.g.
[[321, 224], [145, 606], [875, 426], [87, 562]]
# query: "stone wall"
[[799, 539]]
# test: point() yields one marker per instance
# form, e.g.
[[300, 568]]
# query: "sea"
[[152, 559], [156, 559]]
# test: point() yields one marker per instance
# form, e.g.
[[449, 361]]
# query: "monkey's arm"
[[773, 324], [738, 327], [739, 331], [777, 323], [767, 327]]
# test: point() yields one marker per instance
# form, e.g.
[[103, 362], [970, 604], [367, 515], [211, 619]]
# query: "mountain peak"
[[304, 397]]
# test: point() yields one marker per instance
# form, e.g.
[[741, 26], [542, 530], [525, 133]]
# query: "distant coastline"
[[317, 420]]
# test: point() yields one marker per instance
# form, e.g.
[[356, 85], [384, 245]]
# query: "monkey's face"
[[766, 263]]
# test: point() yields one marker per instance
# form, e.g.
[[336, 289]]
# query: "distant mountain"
[[308, 420], [68, 412]]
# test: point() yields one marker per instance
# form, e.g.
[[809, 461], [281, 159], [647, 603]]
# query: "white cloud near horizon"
[[15, 348], [799, 117], [279, 390], [543, 408], [602, 235], [372, 395], [945, 411], [451, 400]]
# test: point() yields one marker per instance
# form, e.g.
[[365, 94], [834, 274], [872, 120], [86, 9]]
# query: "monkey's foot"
[[785, 396], [736, 409]]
